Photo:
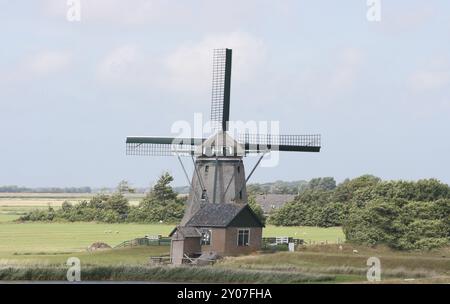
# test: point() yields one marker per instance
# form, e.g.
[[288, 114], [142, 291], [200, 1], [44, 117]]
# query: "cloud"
[[404, 19], [323, 85], [344, 76], [427, 88], [122, 12], [42, 64], [190, 65], [49, 62], [186, 69], [429, 80], [124, 64]]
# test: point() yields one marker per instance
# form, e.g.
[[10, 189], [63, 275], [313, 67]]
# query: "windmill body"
[[218, 220], [217, 179]]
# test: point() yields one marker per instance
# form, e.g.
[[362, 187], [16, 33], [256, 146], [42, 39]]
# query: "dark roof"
[[269, 202], [186, 231], [219, 215]]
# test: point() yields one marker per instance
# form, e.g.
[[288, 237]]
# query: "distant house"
[[271, 202], [225, 229]]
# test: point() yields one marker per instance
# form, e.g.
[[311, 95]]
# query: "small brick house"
[[222, 229]]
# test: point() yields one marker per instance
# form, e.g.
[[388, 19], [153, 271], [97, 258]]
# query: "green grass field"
[[345, 265], [53, 237], [28, 238], [319, 263], [45, 248]]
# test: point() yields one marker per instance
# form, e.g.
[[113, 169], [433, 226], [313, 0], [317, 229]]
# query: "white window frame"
[[237, 237], [210, 237]]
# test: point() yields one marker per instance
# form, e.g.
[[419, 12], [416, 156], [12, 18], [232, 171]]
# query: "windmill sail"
[[221, 84], [162, 146], [257, 143]]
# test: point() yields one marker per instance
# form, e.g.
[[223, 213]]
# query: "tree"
[[345, 191], [118, 203], [160, 204], [321, 183], [310, 208], [162, 191], [66, 206], [99, 201], [124, 187], [257, 209], [399, 223], [332, 215]]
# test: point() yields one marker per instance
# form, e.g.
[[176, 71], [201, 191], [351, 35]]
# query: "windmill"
[[219, 175]]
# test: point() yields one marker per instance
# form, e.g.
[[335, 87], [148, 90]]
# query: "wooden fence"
[[281, 240], [163, 241]]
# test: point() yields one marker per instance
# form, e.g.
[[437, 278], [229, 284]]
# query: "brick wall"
[[224, 241]]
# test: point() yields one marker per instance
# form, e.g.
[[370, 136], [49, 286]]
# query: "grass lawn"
[[136, 256], [35, 237], [69, 237], [321, 263], [53, 243], [309, 234], [5, 217], [348, 266], [49, 245]]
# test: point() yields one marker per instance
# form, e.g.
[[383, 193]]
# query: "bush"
[[310, 208], [257, 209], [399, 224], [161, 204], [400, 214]]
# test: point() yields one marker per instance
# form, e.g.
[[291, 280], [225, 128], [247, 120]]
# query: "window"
[[239, 169], [243, 237], [203, 194], [240, 194], [206, 237], [206, 169]]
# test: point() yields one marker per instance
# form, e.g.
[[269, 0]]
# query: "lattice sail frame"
[[137, 149], [251, 143], [162, 146], [221, 86], [259, 143], [220, 112]]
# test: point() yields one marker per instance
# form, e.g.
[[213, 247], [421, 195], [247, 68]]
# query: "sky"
[[70, 92]]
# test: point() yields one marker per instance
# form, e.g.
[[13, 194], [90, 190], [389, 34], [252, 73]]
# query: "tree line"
[[401, 214], [161, 204], [18, 189], [404, 215]]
